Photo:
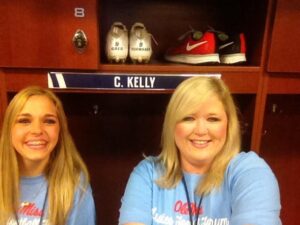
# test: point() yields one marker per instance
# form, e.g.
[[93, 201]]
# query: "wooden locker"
[[39, 34]]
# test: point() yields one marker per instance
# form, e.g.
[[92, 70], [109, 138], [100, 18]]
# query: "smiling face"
[[200, 136], [35, 132]]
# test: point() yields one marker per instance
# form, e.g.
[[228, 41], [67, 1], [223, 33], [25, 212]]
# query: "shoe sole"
[[140, 61], [117, 60], [194, 59], [233, 58]]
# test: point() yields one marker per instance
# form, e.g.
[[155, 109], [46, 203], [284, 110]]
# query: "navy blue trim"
[[54, 80]]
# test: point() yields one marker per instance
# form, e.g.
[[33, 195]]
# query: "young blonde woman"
[[43, 178], [201, 176]]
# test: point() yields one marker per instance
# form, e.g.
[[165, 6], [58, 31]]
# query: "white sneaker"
[[140, 49], [117, 43]]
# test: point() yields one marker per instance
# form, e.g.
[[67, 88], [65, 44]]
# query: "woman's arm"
[[83, 212], [255, 195], [137, 200]]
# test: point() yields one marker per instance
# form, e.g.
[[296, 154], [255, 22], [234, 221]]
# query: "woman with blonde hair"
[[201, 176], [43, 178]]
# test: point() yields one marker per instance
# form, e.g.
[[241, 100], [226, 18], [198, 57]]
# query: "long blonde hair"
[[64, 172], [187, 96]]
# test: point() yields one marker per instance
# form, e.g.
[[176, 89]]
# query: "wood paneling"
[[280, 148], [38, 34], [284, 52], [3, 97], [283, 83]]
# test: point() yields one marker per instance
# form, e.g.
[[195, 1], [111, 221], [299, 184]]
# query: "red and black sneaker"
[[195, 48], [232, 48]]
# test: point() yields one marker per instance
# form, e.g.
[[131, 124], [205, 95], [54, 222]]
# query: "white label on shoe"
[[191, 47], [225, 45]]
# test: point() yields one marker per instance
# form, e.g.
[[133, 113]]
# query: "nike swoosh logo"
[[191, 47], [225, 45]]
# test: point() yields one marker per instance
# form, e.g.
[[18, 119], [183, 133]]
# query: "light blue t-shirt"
[[249, 194], [33, 192]]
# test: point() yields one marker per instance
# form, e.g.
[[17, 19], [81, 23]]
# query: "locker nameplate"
[[118, 81]]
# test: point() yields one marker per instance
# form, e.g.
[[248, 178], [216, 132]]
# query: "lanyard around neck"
[[189, 203], [43, 210]]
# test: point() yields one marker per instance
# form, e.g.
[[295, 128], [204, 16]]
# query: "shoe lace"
[[196, 34], [118, 28], [212, 29], [140, 28], [220, 34], [191, 30], [154, 40]]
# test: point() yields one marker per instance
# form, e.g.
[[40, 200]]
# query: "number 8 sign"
[[79, 12]]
